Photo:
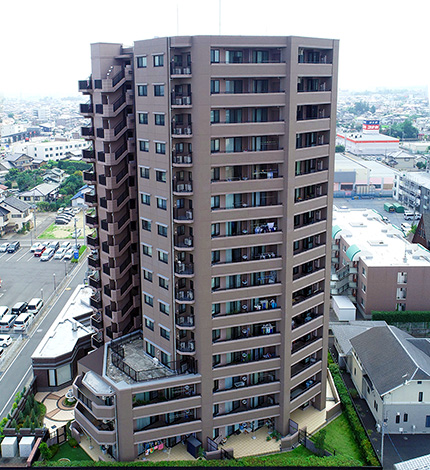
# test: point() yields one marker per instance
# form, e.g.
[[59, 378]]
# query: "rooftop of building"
[[376, 242], [354, 163], [129, 354], [42, 189], [361, 137], [420, 178], [67, 328]]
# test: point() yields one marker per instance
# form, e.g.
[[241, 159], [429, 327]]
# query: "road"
[[19, 371]]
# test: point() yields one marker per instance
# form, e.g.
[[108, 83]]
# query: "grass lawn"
[[71, 453], [60, 231], [339, 437]]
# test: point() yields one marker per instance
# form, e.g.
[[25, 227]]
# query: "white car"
[[4, 247], [65, 245], [60, 253], [69, 254], [5, 341], [35, 246]]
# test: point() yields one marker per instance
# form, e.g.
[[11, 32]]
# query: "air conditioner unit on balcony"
[[183, 345], [188, 242]]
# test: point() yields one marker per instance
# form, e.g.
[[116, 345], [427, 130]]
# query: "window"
[[146, 225], [148, 299], [215, 283], [397, 418], [150, 349], [163, 256], [214, 56], [147, 250], [405, 418], [159, 60], [147, 275], [214, 87], [214, 116], [163, 282], [214, 145], [141, 62], [363, 271], [215, 230], [158, 90], [144, 145], [234, 57], [143, 118], [144, 172], [363, 287], [159, 119], [149, 323], [164, 308], [162, 230], [216, 309], [160, 147], [145, 199], [215, 256], [165, 333], [420, 396], [142, 90], [162, 203], [215, 202], [160, 175], [375, 405]]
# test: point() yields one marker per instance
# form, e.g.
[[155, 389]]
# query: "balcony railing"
[[184, 268], [186, 346], [179, 70], [86, 108], [296, 392], [85, 85], [185, 295], [245, 382], [87, 131], [181, 100], [245, 405], [181, 241], [182, 186], [184, 320], [242, 205], [302, 343], [183, 214], [182, 159], [182, 130]]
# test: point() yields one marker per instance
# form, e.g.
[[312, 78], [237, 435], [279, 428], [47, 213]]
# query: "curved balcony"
[[183, 216], [183, 243], [182, 131], [182, 188], [184, 269], [182, 160], [185, 321], [187, 348], [184, 296]]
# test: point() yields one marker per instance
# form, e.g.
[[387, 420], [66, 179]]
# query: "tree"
[[340, 148], [44, 451], [421, 165], [320, 440], [27, 422], [373, 109]]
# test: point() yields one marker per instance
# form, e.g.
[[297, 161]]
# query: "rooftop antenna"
[[219, 17], [177, 19]]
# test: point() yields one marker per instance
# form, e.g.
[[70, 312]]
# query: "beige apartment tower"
[[213, 172]]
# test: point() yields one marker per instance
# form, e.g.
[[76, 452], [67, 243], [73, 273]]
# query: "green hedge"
[[353, 419], [402, 317]]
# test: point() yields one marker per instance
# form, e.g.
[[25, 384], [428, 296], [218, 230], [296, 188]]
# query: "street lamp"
[[55, 284]]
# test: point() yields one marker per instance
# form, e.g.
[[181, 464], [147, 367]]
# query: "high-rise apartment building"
[[213, 171]]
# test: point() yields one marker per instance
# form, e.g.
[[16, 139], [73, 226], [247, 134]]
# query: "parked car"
[[48, 254], [6, 323], [35, 305], [69, 254], [14, 246], [40, 251], [4, 247], [22, 322], [19, 307], [5, 341], [65, 245], [60, 210], [54, 245], [60, 253], [35, 246], [3, 311]]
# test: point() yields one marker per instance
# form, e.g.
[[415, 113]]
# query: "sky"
[[45, 46]]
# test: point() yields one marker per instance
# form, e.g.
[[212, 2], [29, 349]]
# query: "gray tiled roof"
[[390, 357], [345, 331], [17, 204]]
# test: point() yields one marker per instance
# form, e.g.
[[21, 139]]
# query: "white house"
[[19, 213], [391, 371]]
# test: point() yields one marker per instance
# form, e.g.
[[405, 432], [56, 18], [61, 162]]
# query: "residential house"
[[56, 175], [46, 192], [20, 161], [78, 200], [4, 220], [391, 371], [19, 213]]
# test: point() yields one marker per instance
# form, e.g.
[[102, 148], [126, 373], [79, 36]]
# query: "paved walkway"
[[57, 414]]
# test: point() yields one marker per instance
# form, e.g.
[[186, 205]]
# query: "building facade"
[[375, 265], [213, 180]]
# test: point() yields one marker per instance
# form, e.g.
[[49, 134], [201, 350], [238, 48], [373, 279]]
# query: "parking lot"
[[23, 277]]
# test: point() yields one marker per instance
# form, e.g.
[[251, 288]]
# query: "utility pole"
[[384, 425]]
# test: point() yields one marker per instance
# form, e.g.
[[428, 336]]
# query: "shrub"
[[53, 449], [27, 422], [72, 442], [14, 424], [408, 316]]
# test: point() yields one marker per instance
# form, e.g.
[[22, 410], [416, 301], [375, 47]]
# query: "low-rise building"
[[19, 213], [375, 266], [391, 371], [45, 192], [413, 189], [68, 339]]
